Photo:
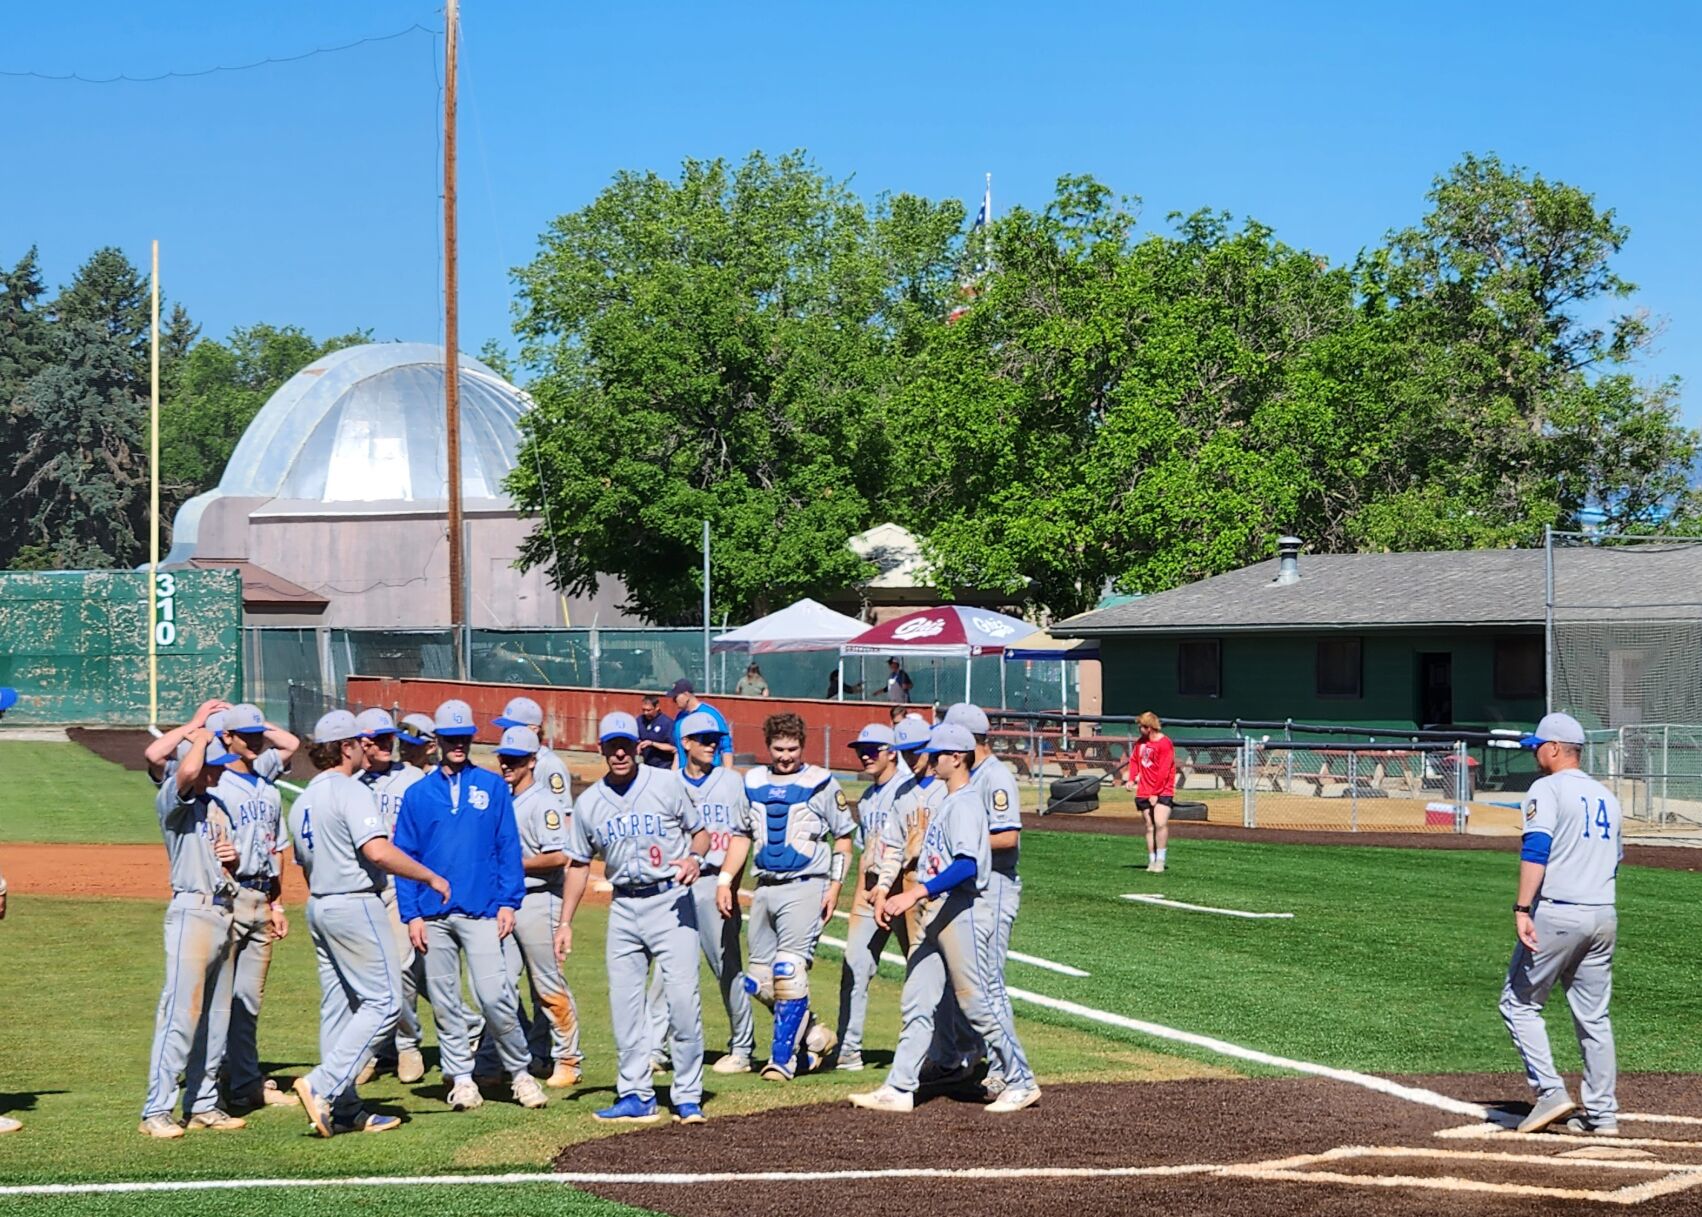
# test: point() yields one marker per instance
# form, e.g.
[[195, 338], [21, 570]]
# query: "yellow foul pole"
[[154, 498]]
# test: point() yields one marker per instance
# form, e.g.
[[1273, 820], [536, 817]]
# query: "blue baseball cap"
[[699, 722], [375, 722], [1555, 729], [968, 715], [244, 718], [875, 733], [520, 712], [423, 729], [951, 737], [618, 725], [912, 733], [518, 741], [455, 718], [335, 727]]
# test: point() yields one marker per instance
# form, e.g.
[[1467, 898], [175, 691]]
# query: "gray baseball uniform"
[[864, 940], [947, 953], [641, 830], [387, 788], [1002, 801], [552, 1030], [1573, 823], [719, 799], [359, 973], [793, 820], [255, 811], [551, 773], [192, 1021]]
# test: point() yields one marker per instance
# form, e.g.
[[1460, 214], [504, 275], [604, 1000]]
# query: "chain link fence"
[[1654, 770]]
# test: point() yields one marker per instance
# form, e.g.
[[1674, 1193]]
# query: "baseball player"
[[719, 795], [549, 771], [418, 736], [1152, 776], [797, 828], [686, 703], [161, 752], [388, 779], [260, 752], [193, 1018], [1002, 895], [7, 1123], [342, 843], [876, 747], [1567, 928], [458, 820], [652, 840], [955, 865], [541, 817]]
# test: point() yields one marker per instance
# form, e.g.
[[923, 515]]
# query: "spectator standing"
[[1152, 776], [751, 684], [656, 743], [898, 682]]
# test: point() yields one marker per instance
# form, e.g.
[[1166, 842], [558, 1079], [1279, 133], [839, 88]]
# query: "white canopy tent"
[[804, 626]]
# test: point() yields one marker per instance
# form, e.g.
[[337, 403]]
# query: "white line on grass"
[[585, 1178], [1051, 965], [1149, 898]]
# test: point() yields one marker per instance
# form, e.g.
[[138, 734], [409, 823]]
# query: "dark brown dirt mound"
[[120, 745], [1663, 857], [1210, 1123]]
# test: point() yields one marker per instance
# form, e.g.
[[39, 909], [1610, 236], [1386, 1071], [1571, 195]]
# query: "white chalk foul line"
[[1051, 965], [1149, 898], [590, 1178]]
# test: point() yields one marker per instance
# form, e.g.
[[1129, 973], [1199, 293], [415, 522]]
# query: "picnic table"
[[1025, 751]]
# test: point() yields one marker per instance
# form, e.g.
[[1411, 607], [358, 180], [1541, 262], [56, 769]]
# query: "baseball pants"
[[995, 916], [663, 928], [412, 974], [947, 956], [450, 940], [718, 938], [192, 1022], [251, 958], [1575, 944], [359, 980], [786, 917], [864, 942], [552, 1030]]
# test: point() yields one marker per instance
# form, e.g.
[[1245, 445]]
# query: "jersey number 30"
[[1601, 821]]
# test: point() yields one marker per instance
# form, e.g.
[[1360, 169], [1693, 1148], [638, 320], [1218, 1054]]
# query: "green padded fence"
[[75, 644]]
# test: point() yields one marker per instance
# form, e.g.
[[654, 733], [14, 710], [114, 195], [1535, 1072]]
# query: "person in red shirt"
[[1152, 776]]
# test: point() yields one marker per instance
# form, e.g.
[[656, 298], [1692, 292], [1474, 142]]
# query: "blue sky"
[[307, 193]]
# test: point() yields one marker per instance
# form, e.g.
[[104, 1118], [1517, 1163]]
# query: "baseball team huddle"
[[430, 876]]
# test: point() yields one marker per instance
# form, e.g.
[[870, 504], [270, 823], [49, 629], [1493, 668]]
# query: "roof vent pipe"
[[1288, 560]]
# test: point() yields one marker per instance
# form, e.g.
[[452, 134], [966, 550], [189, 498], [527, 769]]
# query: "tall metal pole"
[[1548, 618], [706, 606], [154, 498], [451, 340]]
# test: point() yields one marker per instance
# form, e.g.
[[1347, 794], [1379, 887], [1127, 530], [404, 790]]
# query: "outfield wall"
[[75, 644]]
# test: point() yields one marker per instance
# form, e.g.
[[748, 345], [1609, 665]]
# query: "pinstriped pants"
[[193, 1017], [359, 979]]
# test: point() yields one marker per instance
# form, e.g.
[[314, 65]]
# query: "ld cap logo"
[[479, 799], [922, 627]]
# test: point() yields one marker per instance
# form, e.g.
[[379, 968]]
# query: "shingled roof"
[[1482, 587]]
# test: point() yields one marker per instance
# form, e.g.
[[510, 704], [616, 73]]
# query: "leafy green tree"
[[25, 348], [718, 347]]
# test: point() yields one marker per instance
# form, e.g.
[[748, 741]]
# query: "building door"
[[1624, 687], [1435, 688]]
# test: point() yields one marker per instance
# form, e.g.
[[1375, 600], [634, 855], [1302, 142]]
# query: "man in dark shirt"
[[655, 734]]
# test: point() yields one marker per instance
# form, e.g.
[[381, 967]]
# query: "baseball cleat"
[[1546, 1110], [528, 1093], [733, 1062], [688, 1113], [410, 1065], [1156, 868], [661, 1064], [318, 1110], [464, 1096], [272, 1096], [776, 1073], [1590, 1127], [820, 1039], [161, 1126], [367, 1072], [369, 1121], [565, 1075], [216, 1120], [630, 1109], [850, 1062], [1014, 1098], [884, 1098], [935, 1074], [8, 1124]]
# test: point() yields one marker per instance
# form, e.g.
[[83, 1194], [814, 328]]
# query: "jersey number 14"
[[1601, 821]]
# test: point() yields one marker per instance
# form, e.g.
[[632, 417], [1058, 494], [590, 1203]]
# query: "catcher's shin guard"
[[791, 1012]]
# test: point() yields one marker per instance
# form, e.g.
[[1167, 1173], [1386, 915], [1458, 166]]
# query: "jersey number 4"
[[307, 829], [1602, 820]]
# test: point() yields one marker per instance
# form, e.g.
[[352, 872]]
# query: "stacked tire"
[[1074, 795]]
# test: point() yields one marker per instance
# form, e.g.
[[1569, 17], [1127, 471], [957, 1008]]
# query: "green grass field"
[[1392, 964]]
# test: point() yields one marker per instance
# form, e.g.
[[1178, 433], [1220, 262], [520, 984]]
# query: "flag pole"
[[451, 343], [154, 494]]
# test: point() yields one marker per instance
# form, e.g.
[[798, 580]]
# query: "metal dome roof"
[[365, 425]]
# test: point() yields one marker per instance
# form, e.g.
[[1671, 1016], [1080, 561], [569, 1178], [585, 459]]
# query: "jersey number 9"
[[656, 856]]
